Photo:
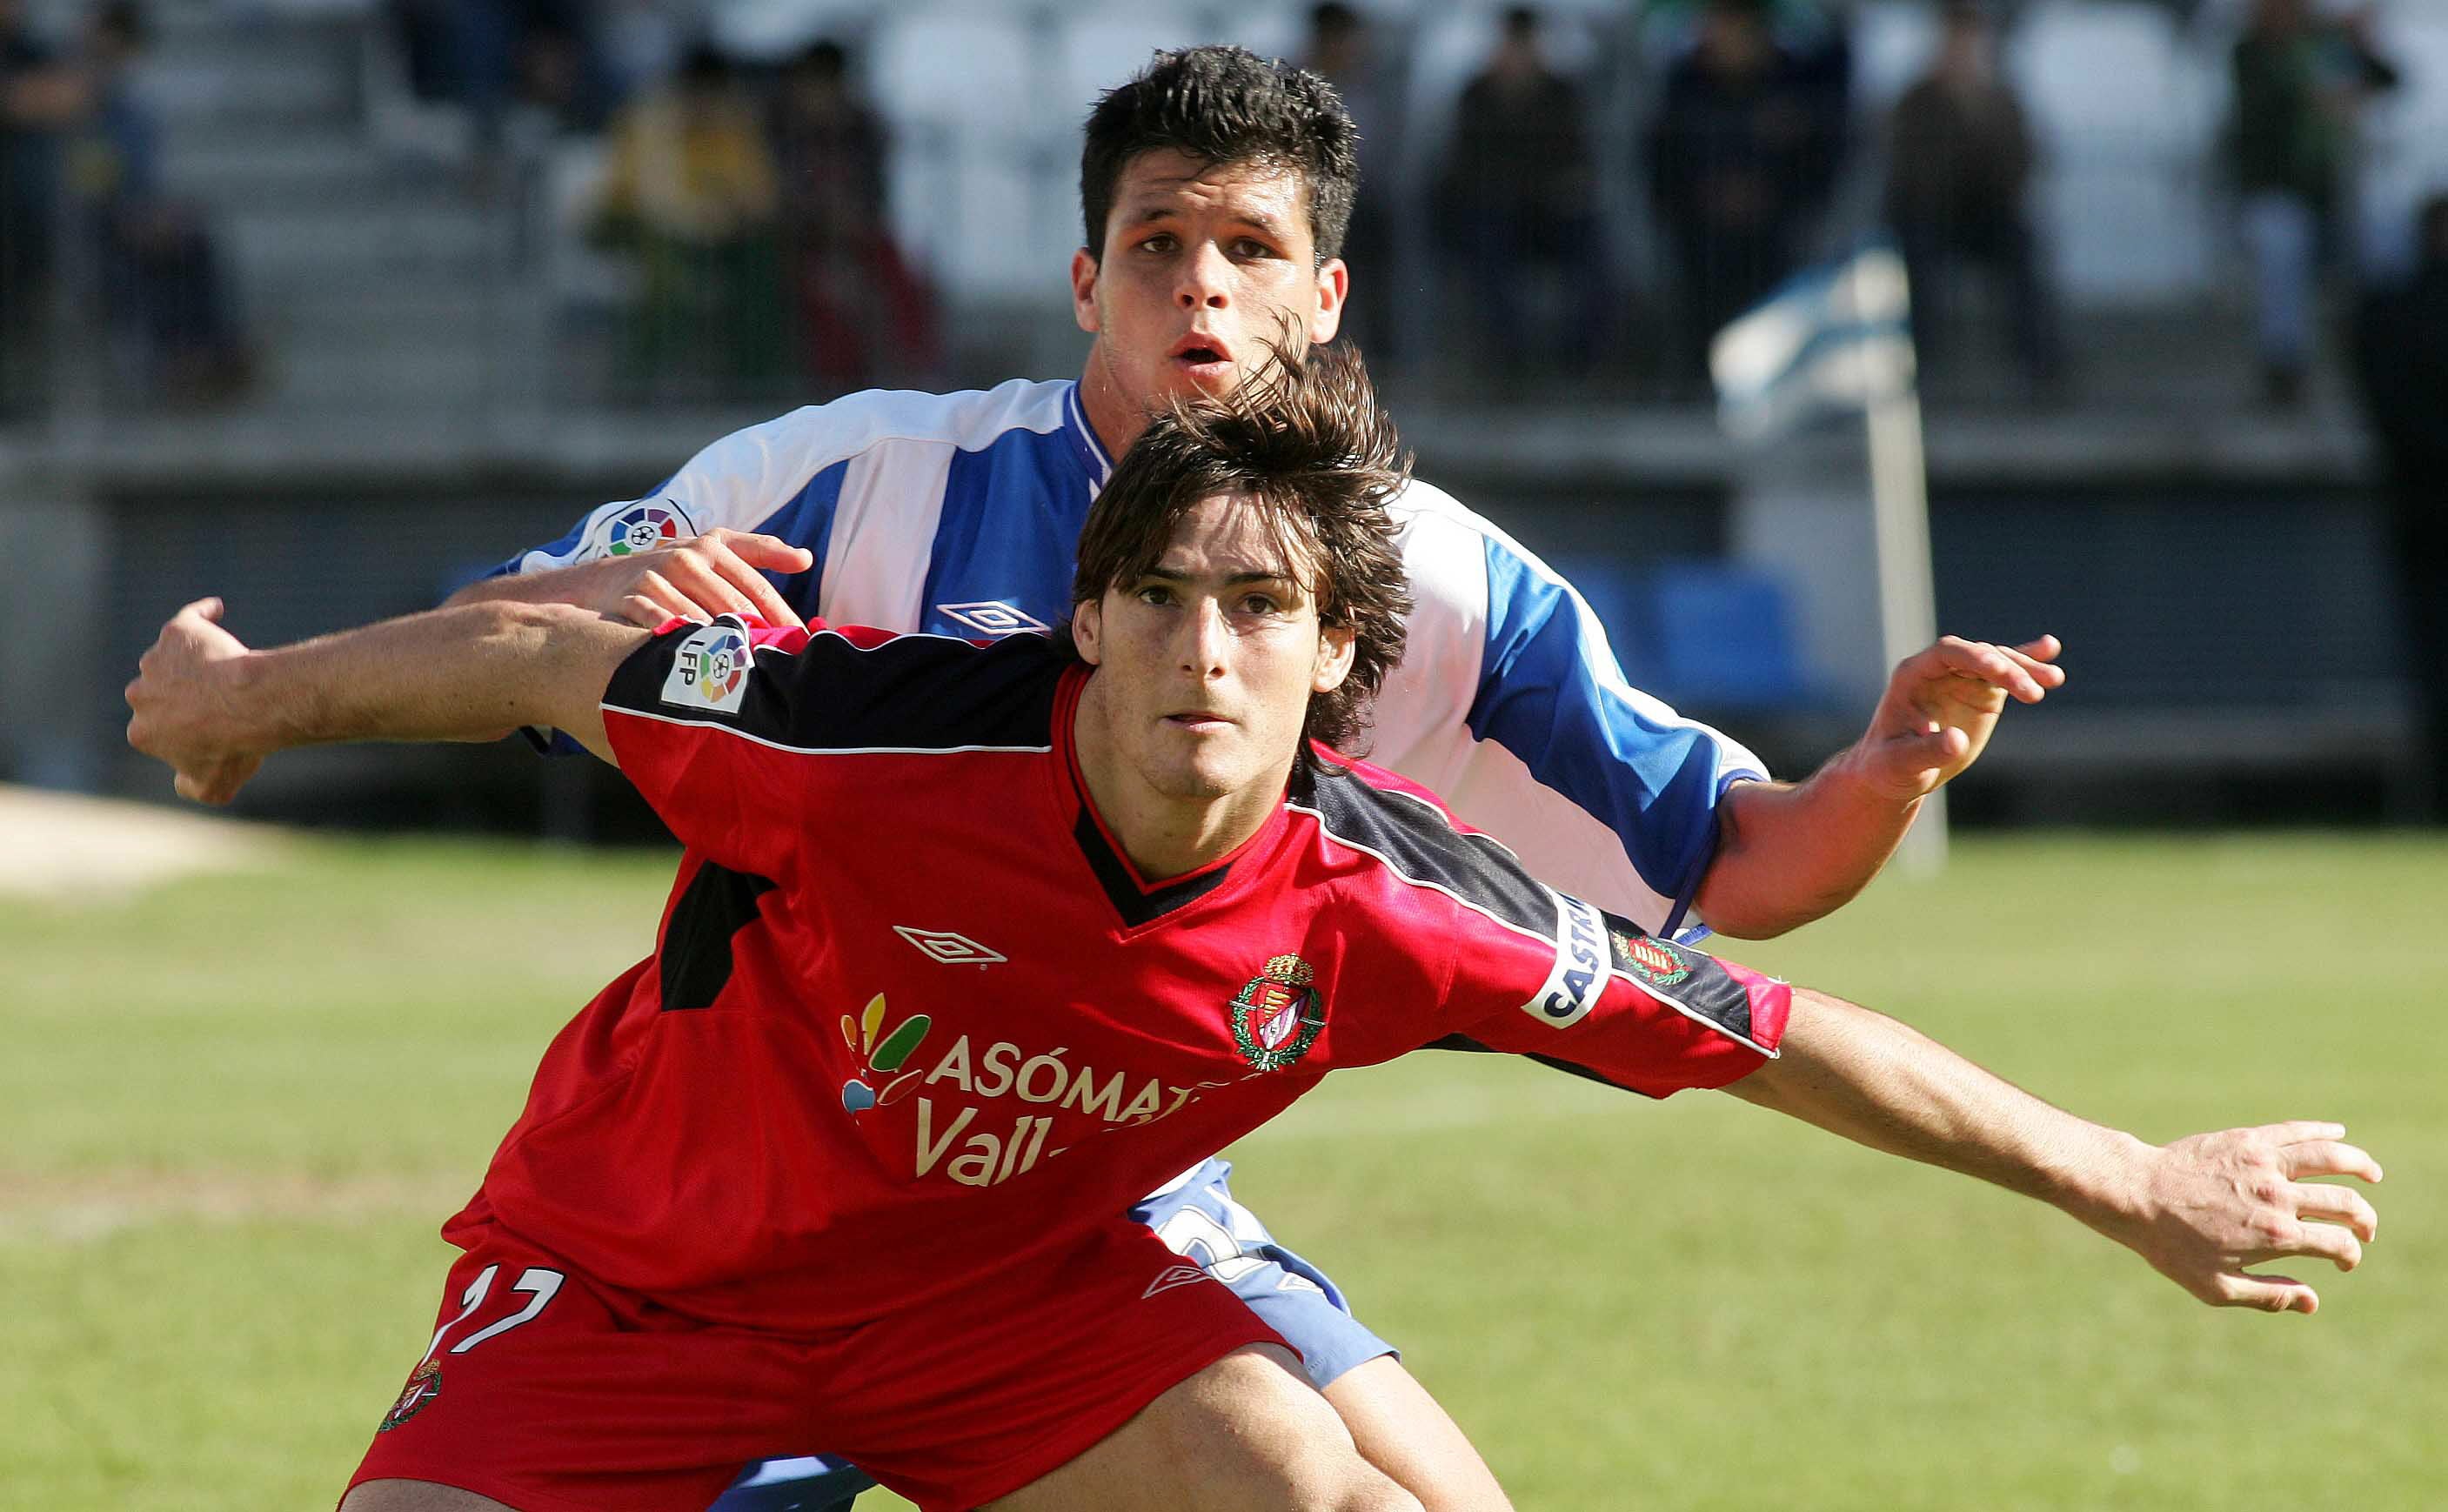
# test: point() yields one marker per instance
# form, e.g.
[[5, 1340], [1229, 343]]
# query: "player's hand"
[[186, 708], [1940, 706], [719, 572], [2205, 1208]]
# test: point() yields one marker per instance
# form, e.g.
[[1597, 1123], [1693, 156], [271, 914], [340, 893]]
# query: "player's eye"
[[1250, 247], [1258, 604], [1161, 241], [1156, 593]]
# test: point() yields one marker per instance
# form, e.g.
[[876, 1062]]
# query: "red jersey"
[[913, 1017]]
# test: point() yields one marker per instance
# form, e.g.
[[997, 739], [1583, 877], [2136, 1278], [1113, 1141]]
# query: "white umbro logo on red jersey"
[[947, 947], [1173, 1275], [993, 617]]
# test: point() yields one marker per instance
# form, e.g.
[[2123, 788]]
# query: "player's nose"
[[1204, 277], [1201, 639]]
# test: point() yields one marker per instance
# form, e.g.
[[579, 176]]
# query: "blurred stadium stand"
[[432, 334]]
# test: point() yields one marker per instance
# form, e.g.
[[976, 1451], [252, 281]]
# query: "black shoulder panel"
[[909, 693], [1692, 979], [695, 956], [1418, 842]]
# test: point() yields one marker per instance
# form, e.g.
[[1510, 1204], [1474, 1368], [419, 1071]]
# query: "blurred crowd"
[[1750, 132], [1600, 193], [742, 198], [91, 243], [747, 199]]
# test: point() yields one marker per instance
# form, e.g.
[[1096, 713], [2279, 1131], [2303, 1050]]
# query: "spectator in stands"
[[640, 42], [421, 29], [490, 55], [1958, 166], [1742, 158], [2301, 80], [160, 268], [862, 310], [39, 97], [1517, 201], [2403, 360], [1342, 52], [691, 189]]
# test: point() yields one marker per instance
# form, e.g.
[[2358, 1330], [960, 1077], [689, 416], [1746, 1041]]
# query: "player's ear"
[[1334, 287], [1084, 291], [1337, 645], [1087, 630]]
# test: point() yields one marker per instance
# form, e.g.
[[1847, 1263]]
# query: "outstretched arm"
[[719, 572], [1791, 853], [212, 709], [2200, 1210]]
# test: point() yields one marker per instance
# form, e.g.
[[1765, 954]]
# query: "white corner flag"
[[1837, 339]]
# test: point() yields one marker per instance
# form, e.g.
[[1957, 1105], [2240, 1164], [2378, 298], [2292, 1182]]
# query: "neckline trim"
[[1084, 438], [1138, 900]]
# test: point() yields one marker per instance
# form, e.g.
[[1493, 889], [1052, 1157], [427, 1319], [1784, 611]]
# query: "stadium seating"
[[2406, 159], [1893, 43], [2125, 118], [1719, 635], [974, 123], [1702, 632]]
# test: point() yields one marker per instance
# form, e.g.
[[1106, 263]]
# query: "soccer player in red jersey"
[[974, 943]]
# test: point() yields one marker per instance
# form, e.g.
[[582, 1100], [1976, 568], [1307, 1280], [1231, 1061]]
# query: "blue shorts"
[[1197, 1216]]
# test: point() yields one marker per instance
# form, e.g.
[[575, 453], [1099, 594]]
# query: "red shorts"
[[551, 1392]]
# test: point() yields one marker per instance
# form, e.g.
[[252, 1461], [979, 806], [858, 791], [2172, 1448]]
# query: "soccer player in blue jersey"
[[1216, 188]]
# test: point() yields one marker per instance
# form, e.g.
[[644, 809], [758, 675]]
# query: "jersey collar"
[[1083, 439], [1139, 901]]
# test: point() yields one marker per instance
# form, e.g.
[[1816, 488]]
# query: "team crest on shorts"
[[1275, 1018], [1654, 962], [424, 1384], [642, 527], [710, 669]]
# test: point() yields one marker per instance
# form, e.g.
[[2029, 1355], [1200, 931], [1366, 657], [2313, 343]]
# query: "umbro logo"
[[992, 618], [949, 948], [1173, 1275]]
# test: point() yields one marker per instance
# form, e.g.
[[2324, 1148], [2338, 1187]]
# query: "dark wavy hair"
[[1305, 440], [1225, 105]]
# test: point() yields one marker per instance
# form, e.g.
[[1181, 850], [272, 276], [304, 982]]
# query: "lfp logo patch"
[[710, 670], [643, 528]]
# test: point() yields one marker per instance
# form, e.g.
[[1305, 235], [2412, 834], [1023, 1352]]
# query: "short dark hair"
[[1306, 439], [1223, 105]]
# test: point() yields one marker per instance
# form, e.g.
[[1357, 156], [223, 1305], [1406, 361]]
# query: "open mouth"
[[1196, 351]]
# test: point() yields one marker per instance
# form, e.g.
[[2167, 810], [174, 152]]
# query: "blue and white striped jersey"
[[958, 514]]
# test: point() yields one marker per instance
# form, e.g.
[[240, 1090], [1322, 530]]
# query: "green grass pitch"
[[233, 1111]]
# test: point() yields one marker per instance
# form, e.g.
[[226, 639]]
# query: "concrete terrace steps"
[[327, 376], [372, 280], [262, 73], [289, 246], [250, 165]]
